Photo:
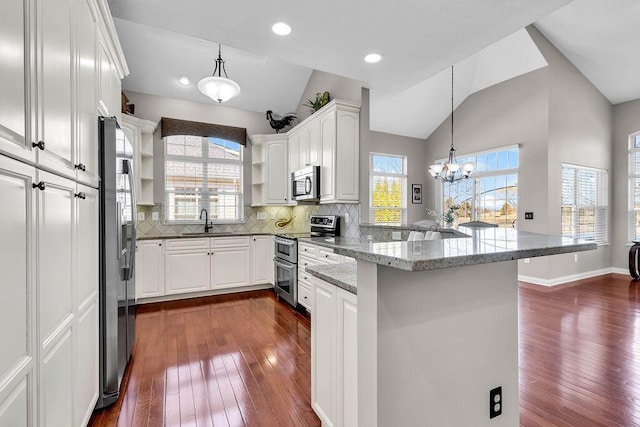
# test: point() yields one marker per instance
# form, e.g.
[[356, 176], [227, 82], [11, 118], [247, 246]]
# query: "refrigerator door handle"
[[132, 242], [119, 228]]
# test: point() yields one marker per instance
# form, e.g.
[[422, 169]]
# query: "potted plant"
[[320, 101]]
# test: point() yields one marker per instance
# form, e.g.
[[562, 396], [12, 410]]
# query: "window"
[[388, 184], [584, 203], [634, 186], [203, 173], [491, 194]]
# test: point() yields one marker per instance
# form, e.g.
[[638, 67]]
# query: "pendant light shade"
[[451, 171], [219, 88]]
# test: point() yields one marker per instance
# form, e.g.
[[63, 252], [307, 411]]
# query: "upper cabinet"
[[140, 134], [16, 71], [330, 138], [269, 170]]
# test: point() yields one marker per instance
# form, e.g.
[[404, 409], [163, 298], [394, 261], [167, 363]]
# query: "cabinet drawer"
[[230, 242], [304, 276], [304, 295], [328, 256], [307, 249], [181, 244], [304, 262]]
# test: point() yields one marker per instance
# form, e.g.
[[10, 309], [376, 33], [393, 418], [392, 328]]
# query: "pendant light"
[[219, 88], [451, 170]]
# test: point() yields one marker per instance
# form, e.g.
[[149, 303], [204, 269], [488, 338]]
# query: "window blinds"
[[585, 203]]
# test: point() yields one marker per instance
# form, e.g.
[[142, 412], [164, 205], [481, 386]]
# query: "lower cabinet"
[[149, 269], [180, 266], [334, 355]]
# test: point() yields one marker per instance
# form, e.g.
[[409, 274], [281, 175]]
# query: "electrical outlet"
[[347, 217], [262, 216], [528, 215], [396, 235], [273, 215], [141, 216], [575, 257], [155, 216], [495, 402], [527, 260]]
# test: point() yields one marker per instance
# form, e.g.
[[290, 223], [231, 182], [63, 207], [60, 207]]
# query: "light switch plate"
[[262, 216], [141, 216], [155, 216]]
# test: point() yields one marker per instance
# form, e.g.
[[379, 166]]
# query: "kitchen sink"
[[209, 234]]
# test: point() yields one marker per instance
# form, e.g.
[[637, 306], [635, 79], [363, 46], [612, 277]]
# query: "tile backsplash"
[[299, 223]]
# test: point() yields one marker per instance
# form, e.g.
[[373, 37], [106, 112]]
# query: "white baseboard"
[[187, 295], [570, 278]]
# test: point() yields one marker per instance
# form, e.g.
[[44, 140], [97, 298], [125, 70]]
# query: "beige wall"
[[338, 87], [626, 120]]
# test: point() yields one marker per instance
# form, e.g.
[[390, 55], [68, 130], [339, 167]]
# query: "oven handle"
[[283, 263], [284, 241]]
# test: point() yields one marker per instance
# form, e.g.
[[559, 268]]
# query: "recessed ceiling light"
[[184, 80], [372, 58], [281, 29]]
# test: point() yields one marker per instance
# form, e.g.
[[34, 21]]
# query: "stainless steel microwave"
[[305, 184]]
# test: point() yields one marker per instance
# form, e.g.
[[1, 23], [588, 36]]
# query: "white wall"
[[626, 120], [153, 108]]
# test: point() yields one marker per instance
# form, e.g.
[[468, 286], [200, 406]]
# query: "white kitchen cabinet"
[[270, 170], [86, 39], [54, 60], [16, 71], [140, 134], [149, 269], [310, 141], [230, 266], [334, 356], [294, 154], [262, 248], [187, 266], [323, 352], [17, 305], [340, 130]]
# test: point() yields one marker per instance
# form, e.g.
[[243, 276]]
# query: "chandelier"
[[219, 88], [451, 170]]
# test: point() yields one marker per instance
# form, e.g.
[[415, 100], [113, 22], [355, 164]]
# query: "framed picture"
[[416, 194]]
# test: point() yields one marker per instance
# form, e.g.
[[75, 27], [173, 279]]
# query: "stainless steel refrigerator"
[[117, 258]]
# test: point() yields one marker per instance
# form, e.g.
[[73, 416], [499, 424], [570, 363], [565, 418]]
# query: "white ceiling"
[[410, 88], [602, 39]]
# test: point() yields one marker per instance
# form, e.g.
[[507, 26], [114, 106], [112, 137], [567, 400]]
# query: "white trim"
[[489, 150], [570, 278]]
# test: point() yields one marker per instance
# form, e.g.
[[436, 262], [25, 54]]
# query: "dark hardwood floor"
[[232, 360], [244, 359]]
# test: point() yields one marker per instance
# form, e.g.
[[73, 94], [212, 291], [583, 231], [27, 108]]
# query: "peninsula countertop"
[[485, 245], [343, 275]]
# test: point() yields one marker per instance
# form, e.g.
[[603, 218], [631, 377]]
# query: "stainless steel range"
[[286, 255]]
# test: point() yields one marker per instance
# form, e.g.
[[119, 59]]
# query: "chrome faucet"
[[207, 227]]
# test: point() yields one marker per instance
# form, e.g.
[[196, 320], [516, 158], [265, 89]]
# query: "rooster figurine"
[[277, 124]]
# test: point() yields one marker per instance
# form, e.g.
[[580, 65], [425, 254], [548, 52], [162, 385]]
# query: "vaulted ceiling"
[[410, 88]]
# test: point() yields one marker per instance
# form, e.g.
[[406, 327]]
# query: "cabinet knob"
[[40, 186], [80, 195], [326, 256], [39, 144], [81, 167], [159, 244]]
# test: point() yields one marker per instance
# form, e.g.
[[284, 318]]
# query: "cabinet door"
[[327, 174], [15, 71], [54, 89], [294, 154], [347, 358], [17, 305], [149, 269], [186, 271], [86, 362], [347, 156], [230, 267], [304, 149], [323, 351], [109, 85], [315, 141], [87, 208], [262, 255], [277, 176], [56, 211], [86, 162]]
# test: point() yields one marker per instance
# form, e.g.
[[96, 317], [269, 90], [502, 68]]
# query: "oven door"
[[286, 249], [286, 281]]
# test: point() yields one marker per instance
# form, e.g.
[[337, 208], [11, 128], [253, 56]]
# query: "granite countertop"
[[342, 275], [486, 245], [200, 235]]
